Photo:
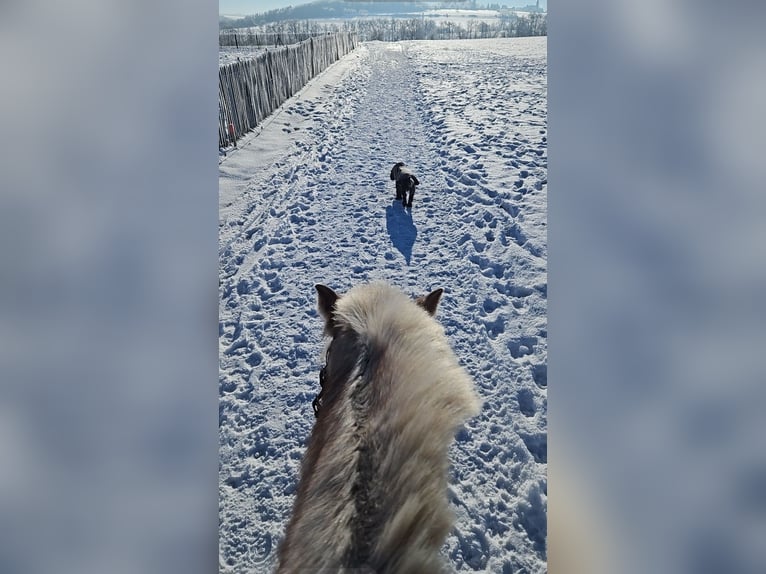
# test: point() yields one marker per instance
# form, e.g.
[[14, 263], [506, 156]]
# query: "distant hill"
[[328, 9], [325, 9]]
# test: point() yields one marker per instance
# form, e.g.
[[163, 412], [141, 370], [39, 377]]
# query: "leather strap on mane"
[[316, 404]]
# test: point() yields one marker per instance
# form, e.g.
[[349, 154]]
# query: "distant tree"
[[523, 27], [538, 24], [392, 29]]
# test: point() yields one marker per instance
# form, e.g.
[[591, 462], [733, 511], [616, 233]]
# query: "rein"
[[317, 402]]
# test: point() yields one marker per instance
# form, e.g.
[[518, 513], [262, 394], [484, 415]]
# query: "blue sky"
[[246, 7]]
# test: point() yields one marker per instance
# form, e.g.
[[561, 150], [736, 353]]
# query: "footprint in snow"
[[540, 375], [526, 402], [522, 346], [537, 445]]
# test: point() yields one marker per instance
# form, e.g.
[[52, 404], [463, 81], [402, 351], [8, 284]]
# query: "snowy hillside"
[[307, 199]]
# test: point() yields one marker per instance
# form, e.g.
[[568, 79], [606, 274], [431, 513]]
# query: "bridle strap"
[[316, 404]]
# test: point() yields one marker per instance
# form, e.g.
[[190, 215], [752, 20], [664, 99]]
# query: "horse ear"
[[326, 299], [430, 301]]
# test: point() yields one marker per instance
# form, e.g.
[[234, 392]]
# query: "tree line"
[[395, 29], [318, 10], [335, 9]]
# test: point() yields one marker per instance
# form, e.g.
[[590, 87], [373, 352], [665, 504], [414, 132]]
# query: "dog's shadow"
[[400, 228]]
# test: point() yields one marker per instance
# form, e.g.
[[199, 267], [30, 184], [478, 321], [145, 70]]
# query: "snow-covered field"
[[307, 199], [463, 16]]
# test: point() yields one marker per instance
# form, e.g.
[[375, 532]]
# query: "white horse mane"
[[373, 488]]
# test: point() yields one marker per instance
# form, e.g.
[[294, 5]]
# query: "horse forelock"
[[366, 309]]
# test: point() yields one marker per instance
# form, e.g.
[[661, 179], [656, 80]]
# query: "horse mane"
[[373, 487]]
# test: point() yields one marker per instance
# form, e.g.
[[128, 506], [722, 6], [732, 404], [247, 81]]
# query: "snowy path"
[[308, 199]]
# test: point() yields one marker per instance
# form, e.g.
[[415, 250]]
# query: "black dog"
[[405, 181]]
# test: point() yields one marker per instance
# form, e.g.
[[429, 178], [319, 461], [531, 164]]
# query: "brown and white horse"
[[372, 496]]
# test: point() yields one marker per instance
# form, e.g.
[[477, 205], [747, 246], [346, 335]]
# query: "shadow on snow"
[[401, 229]]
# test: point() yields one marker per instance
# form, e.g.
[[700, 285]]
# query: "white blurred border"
[[656, 268], [108, 234]]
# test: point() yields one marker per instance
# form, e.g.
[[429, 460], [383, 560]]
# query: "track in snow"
[[309, 200]]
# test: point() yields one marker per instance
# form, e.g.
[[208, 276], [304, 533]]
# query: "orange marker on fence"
[[231, 133]]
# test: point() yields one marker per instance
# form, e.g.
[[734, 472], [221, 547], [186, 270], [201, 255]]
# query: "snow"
[[306, 198], [230, 54], [463, 16]]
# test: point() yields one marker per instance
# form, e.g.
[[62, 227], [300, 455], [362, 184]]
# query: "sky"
[[247, 7]]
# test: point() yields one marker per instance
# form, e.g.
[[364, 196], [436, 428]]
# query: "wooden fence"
[[250, 90], [240, 39]]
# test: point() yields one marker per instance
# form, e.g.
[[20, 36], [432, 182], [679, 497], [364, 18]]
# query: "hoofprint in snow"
[[307, 199]]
